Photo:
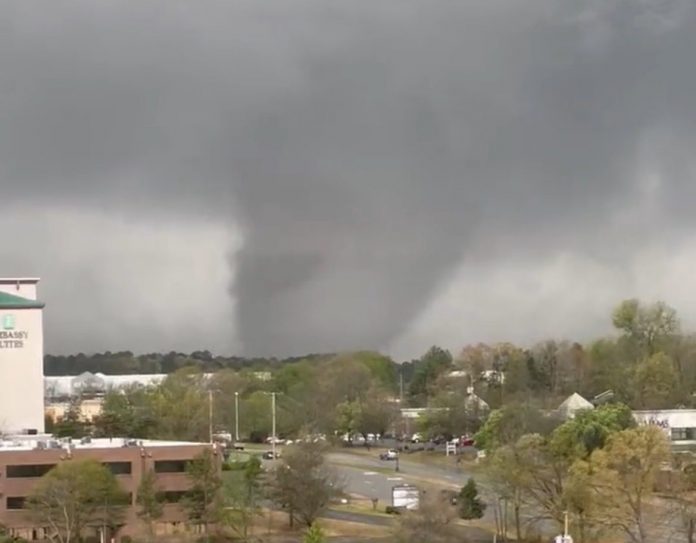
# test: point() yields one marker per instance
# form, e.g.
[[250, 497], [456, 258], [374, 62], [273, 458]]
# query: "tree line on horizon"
[[128, 363], [649, 364]]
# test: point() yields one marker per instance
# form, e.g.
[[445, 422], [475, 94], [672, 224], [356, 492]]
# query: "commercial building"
[[573, 404], [21, 357], [679, 425], [24, 461], [88, 384], [26, 454]]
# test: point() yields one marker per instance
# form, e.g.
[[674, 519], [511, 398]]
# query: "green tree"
[[181, 406], [470, 505], [203, 499], [382, 369], [74, 495], [71, 423], [454, 414], [224, 384], [655, 383], [610, 368], [590, 429], [622, 477], [344, 379], [256, 415], [430, 366], [647, 326], [347, 417], [150, 506], [291, 375], [314, 534], [543, 364], [506, 425], [128, 412]]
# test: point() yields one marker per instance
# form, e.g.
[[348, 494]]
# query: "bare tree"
[[303, 483], [434, 522], [203, 500], [622, 476]]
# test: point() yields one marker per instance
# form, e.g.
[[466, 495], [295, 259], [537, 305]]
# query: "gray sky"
[[283, 177]]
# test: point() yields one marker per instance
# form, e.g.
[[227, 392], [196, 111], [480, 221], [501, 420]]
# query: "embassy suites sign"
[[13, 339], [9, 337]]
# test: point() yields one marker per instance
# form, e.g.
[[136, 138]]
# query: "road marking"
[[370, 473], [395, 478]]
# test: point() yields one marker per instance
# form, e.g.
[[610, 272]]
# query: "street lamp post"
[[210, 415], [236, 416], [397, 462], [273, 438]]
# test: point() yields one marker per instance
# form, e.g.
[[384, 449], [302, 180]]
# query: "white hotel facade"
[[21, 357]]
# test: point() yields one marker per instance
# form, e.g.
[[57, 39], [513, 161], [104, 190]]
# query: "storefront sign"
[[9, 337], [660, 423]]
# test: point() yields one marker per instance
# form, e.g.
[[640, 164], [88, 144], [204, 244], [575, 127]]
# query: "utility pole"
[[565, 538], [236, 416], [273, 438], [210, 415], [401, 386]]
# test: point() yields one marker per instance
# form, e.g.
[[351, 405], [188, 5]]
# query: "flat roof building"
[[24, 461]]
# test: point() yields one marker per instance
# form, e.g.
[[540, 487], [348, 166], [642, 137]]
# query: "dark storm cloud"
[[366, 149]]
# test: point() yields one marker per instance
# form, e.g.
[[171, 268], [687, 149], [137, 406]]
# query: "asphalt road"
[[373, 478]]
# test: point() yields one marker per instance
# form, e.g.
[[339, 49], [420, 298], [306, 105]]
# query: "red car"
[[466, 441]]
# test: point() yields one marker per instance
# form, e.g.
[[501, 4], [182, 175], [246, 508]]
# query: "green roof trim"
[[10, 301]]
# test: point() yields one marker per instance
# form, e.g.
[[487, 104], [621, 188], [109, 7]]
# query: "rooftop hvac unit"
[[604, 397]]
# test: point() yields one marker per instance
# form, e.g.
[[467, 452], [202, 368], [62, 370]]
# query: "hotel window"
[[171, 496], [680, 434], [171, 466], [15, 502], [119, 468], [28, 470]]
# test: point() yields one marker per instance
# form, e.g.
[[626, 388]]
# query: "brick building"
[[24, 460]]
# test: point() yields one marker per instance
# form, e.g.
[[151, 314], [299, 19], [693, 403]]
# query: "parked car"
[[466, 441], [268, 455], [391, 454], [450, 496]]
